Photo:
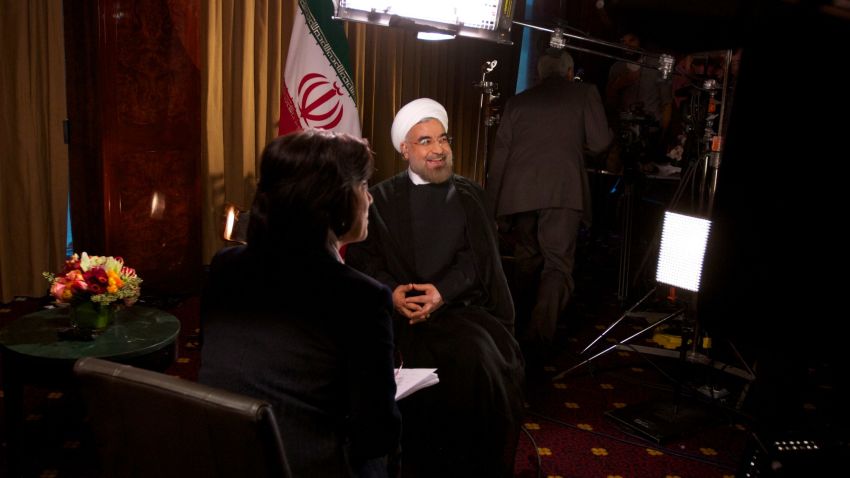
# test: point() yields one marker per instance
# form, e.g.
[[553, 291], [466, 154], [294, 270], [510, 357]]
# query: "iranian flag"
[[318, 91]]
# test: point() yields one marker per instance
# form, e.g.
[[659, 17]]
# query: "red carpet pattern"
[[574, 439], [566, 426]]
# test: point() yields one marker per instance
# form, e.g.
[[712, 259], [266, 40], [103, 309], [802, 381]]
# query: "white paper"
[[409, 380]]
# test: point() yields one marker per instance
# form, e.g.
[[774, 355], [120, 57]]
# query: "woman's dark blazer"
[[313, 337]]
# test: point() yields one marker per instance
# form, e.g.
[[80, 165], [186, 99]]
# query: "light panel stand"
[[683, 244]]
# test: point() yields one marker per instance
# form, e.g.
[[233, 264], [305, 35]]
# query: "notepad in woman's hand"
[[409, 380]]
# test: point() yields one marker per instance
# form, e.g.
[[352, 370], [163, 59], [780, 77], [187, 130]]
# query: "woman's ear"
[[343, 214]]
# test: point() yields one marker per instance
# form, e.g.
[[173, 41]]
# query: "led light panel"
[[683, 242]]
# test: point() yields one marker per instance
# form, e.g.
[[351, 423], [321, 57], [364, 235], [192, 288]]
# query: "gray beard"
[[436, 177]]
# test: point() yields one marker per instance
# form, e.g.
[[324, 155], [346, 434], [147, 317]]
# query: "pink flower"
[[61, 291]]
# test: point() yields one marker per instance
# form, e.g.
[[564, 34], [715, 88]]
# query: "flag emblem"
[[320, 105]]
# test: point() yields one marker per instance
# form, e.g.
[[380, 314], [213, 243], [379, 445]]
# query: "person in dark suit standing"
[[538, 185], [286, 321]]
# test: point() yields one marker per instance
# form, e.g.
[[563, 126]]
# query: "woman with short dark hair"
[[286, 321], [308, 185]]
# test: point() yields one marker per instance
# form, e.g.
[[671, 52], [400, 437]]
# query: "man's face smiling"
[[426, 148]]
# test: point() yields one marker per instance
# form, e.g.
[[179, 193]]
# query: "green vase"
[[90, 315]]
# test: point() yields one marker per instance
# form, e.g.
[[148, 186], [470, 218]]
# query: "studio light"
[[483, 19], [433, 36], [683, 243]]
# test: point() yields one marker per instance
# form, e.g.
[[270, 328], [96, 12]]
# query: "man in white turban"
[[430, 240], [419, 134]]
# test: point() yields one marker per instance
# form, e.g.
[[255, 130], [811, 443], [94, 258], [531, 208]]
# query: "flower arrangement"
[[102, 280]]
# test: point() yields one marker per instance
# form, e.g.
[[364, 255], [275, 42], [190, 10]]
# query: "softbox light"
[[483, 19], [683, 242]]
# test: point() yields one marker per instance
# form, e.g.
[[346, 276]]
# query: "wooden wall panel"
[[149, 139]]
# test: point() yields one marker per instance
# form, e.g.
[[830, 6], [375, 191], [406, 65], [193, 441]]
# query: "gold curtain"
[[33, 156], [391, 67], [243, 47]]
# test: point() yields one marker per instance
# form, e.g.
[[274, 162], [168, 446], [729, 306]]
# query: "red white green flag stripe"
[[317, 88]]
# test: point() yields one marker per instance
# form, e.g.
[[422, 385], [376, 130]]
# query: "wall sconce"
[[235, 224]]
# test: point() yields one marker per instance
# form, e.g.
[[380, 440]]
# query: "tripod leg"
[[610, 327], [626, 251], [622, 342]]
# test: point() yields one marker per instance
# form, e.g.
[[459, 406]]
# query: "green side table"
[[35, 352]]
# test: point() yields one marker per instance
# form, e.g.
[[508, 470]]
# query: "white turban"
[[414, 112]]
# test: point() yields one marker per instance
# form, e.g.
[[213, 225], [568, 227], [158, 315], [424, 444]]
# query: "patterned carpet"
[[574, 437], [567, 431]]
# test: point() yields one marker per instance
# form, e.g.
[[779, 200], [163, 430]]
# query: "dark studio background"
[[773, 279], [773, 282]]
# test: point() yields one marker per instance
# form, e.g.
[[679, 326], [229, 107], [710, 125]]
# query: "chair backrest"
[[151, 424]]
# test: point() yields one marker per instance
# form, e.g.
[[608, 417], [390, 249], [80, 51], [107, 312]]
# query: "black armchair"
[[151, 424]]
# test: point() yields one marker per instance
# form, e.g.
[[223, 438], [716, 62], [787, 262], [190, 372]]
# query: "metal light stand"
[[708, 190], [561, 39], [489, 92], [622, 343], [630, 137]]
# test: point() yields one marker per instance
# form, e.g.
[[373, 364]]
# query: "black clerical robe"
[[469, 423], [387, 253]]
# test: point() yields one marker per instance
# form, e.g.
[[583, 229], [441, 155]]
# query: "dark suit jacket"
[[538, 156], [387, 253], [313, 337]]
